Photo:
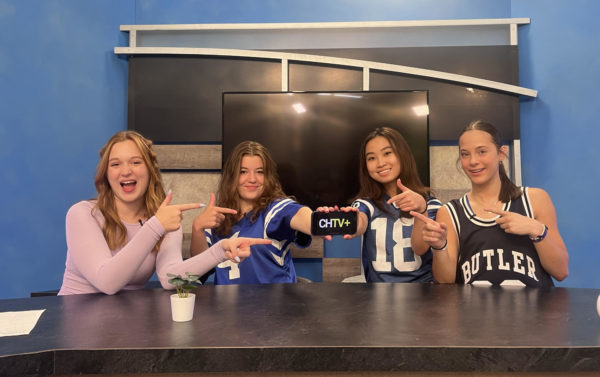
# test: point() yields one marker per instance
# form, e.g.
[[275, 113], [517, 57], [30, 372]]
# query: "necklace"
[[482, 207]]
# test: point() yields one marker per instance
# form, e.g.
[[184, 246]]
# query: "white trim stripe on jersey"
[[276, 243], [433, 205], [208, 234], [278, 207], [464, 202], [527, 202], [454, 217]]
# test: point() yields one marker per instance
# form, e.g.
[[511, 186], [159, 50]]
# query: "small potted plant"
[[182, 302]]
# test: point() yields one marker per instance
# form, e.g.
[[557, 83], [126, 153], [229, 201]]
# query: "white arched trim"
[[286, 57]]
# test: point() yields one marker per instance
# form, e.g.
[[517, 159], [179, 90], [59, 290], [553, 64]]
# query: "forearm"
[[199, 242], [94, 260], [197, 265], [551, 250], [444, 268], [419, 246], [301, 220], [553, 257]]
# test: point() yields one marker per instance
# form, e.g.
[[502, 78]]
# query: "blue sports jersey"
[[387, 254], [267, 263]]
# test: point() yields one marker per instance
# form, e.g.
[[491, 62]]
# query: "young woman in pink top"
[[119, 239]]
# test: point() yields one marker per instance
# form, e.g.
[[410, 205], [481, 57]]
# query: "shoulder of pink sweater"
[[84, 209]]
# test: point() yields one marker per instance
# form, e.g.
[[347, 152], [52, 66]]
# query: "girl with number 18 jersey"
[[392, 250]]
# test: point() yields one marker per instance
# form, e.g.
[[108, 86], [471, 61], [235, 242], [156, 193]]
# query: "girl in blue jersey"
[[497, 233], [390, 187], [252, 202]]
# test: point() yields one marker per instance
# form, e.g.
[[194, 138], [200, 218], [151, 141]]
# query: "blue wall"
[[63, 93], [560, 57]]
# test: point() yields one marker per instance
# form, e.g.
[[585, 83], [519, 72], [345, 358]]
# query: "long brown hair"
[[508, 190], [370, 188], [227, 194], [113, 229]]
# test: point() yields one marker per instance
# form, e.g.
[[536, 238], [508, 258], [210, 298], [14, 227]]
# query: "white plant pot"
[[182, 309]]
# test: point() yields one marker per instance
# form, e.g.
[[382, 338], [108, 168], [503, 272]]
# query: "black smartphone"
[[333, 223]]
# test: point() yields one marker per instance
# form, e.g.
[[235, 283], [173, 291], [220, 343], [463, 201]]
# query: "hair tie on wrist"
[[541, 236], [441, 248]]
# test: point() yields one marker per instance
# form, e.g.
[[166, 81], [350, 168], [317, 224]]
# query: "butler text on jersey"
[[495, 259]]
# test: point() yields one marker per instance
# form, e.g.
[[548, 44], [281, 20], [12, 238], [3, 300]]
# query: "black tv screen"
[[315, 137]]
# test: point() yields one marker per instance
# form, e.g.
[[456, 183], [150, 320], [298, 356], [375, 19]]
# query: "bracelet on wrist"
[[541, 236], [424, 211], [441, 248]]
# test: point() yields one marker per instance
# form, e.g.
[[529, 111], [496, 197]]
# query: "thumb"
[[401, 186], [211, 203], [167, 200], [443, 226]]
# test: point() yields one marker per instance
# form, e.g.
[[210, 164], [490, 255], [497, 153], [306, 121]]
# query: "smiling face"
[[127, 174], [480, 157], [251, 181], [382, 163]]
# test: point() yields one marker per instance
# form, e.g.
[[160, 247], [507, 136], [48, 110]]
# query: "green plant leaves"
[[184, 284]]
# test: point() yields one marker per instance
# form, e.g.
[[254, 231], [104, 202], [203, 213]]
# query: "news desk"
[[322, 327]]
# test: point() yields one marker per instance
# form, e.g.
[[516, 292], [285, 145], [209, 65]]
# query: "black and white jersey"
[[487, 255]]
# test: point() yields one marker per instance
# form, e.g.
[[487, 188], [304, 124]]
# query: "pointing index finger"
[[185, 207], [258, 241], [420, 216], [225, 210], [496, 211]]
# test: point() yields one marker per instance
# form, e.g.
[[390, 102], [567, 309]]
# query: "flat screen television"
[[315, 137]]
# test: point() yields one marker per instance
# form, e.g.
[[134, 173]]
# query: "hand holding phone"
[[333, 223]]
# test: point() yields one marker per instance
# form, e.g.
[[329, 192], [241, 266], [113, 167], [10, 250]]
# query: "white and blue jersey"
[[267, 263], [387, 254]]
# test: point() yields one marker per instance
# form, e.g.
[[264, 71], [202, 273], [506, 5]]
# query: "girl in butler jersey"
[[251, 203], [497, 233], [131, 229], [390, 187]]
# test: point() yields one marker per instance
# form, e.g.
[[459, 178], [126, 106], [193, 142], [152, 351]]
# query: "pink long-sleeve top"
[[92, 267]]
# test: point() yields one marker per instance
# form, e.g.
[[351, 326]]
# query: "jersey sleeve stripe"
[[454, 217], [273, 212], [208, 235], [368, 205], [270, 215]]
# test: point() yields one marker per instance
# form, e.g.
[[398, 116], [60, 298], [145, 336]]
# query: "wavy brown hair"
[[113, 229], [508, 190], [227, 194], [370, 188]]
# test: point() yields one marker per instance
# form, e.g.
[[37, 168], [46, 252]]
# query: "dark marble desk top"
[[311, 327]]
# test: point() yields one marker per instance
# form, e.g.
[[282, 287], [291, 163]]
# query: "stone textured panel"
[[190, 188], [188, 156]]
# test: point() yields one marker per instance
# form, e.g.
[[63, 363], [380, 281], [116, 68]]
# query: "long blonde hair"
[[227, 194], [371, 189], [113, 229]]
